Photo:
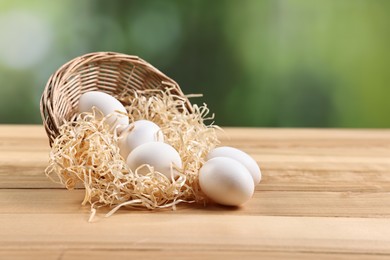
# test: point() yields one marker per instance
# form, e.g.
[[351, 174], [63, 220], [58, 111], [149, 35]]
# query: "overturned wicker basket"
[[110, 72]]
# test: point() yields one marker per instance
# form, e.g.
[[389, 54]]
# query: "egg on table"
[[161, 156], [226, 181], [239, 156], [107, 104], [140, 132]]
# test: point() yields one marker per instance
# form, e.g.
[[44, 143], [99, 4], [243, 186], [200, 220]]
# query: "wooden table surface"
[[325, 194]]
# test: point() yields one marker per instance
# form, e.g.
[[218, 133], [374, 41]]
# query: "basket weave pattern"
[[113, 73]]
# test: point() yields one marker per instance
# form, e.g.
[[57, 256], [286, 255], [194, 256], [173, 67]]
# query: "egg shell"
[[142, 131], [226, 181], [159, 155], [106, 104], [239, 156]]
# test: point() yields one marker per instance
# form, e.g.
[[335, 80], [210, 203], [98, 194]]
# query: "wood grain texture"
[[263, 203], [325, 194], [101, 254]]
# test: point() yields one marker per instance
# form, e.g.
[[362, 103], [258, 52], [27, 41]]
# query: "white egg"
[[239, 156], [106, 104], [142, 131], [226, 181], [160, 156]]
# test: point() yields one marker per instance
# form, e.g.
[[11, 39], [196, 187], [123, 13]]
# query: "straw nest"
[[85, 150]]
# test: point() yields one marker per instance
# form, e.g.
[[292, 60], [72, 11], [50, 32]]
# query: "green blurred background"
[[279, 63]]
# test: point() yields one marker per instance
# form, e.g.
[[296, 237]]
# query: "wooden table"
[[325, 194]]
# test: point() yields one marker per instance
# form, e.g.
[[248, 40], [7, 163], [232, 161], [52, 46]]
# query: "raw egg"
[[140, 132], [239, 156], [161, 156], [226, 181], [106, 104]]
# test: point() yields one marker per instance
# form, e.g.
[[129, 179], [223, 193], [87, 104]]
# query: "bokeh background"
[[271, 63]]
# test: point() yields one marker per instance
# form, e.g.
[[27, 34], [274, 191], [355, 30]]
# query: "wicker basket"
[[113, 73]]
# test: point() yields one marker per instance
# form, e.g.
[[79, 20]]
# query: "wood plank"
[[24, 176], [325, 180], [293, 176], [97, 254], [324, 195], [31, 254], [249, 138], [290, 159], [195, 232], [264, 203]]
